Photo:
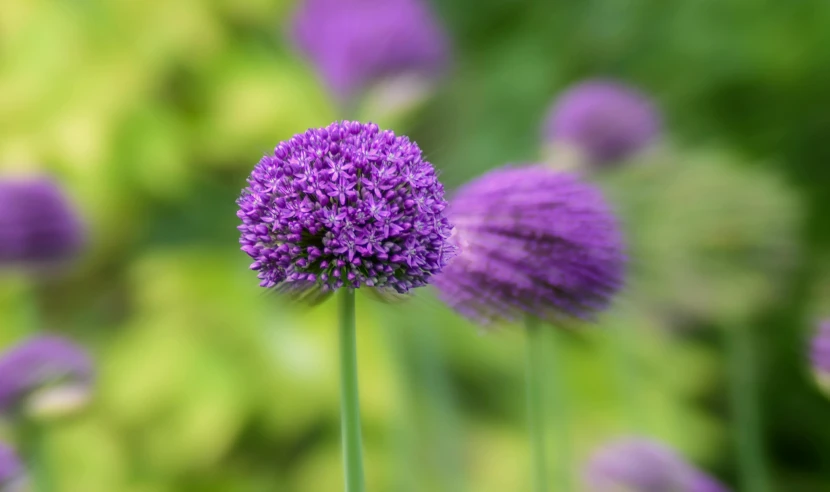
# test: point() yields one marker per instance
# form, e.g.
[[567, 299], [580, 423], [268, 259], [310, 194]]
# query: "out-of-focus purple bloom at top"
[[355, 43], [533, 242], [820, 354], [604, 120], [345, 205], [38, 227], [38, 369], [12, 473], [641, 465]]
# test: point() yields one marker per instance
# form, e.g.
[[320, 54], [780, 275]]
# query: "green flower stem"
[[745, 411], [349, 395], [33, 434], [558, 413], [535, 404], [33, 443], [444, 426], [629, 383]]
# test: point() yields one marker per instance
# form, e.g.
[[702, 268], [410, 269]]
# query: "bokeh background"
[[152, 113]]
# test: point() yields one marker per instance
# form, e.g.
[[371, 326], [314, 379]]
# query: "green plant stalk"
[[558, 414], [745, 411], [444, 426], [629, 382], [33, 442], [534, 367], [349, 395], [32, 434]]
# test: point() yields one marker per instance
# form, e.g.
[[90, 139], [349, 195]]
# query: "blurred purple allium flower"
[[532, 241], [12, 473], [37, 225], [355, 43], [604, 120], [820, 354], [641, 465], [46, 374], [345, 205]]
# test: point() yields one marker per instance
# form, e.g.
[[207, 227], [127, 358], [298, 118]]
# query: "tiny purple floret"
[[355, 43], [605, 120], [642, 465], [39, 363], [345, 205], [533, 242]]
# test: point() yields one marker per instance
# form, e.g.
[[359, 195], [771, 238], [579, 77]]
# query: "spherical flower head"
[[604, 120], [345, 205], [38, 227], [44, 375], [12, 473], [533, 242], [356, 43], [641, 465], [820, 355]]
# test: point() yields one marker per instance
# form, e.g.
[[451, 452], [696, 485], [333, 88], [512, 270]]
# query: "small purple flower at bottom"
[[12, 473], [347, 205], [641, 465], [533, 242], [38, 227], [604, 120], [820, 355], [44, 375]]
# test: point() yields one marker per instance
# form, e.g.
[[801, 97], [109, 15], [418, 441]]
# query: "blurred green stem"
[[745, 410], [349, 395], [535, 403], [623, 345], [444, 428], [32, 434], [33, 443], [559, 413]]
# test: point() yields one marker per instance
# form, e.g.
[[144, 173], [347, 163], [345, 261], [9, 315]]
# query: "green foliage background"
[[152, 112]]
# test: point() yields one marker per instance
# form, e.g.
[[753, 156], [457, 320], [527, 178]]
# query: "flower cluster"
[[534, 242], [345, 205], [45, 365], [640, 465], [37, 224], [12, 473], [605, 120], [355, 43]]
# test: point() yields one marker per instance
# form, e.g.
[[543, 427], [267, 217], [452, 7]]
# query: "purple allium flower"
[[820, 354], [533, 241], [12, 473], [48, 373], [604, 120], [37, 225], [640, 465], [355, 43], [345, 205]]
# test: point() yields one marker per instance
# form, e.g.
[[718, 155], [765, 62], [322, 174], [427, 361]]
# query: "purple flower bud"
[[38, 228], [820, 355], [12, 473], [604, 120], [535, 242], [360, 233], [640, 465], [45, 374], [356, 43]]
